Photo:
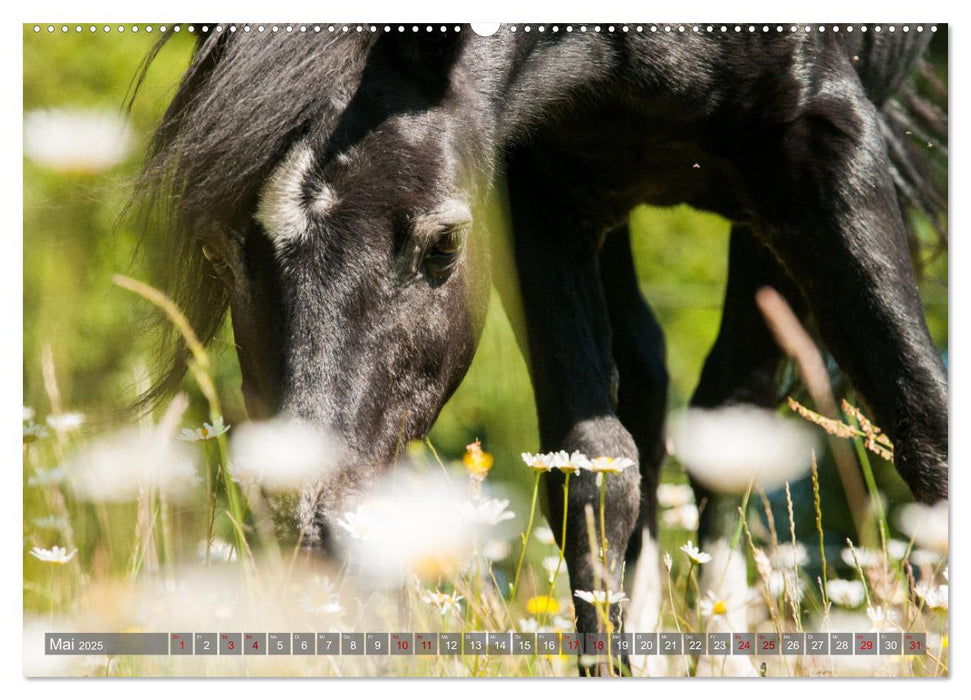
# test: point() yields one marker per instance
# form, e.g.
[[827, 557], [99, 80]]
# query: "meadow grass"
[[213, 561]]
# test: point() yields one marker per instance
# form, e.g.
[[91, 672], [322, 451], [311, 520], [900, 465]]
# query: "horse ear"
[[429, 56]]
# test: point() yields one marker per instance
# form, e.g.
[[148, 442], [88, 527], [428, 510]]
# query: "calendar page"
[[562, 349]]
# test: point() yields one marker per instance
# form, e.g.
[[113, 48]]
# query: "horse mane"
[[243, 100]]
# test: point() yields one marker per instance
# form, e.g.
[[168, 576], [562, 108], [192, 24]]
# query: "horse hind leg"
[[843, 241], [641, 400], [743, 365], [741, 369]]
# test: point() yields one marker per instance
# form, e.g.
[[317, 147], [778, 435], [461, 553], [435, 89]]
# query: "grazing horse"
[[332, 191]]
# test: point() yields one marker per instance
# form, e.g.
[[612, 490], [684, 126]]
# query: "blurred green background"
[[72, 247]]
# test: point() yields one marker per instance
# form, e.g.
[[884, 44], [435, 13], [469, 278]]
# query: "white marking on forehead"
[[282, 210]]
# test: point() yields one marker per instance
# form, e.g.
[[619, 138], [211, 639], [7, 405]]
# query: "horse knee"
[[606, 437]]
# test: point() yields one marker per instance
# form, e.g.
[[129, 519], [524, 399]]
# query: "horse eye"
[[219, 264], [441, 256]]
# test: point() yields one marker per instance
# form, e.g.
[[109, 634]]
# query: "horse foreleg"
[[572, 369], [638, 350]]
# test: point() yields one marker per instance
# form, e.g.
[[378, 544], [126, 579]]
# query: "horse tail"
[[902, 75]]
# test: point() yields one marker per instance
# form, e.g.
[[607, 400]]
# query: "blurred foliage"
[[72, 246]]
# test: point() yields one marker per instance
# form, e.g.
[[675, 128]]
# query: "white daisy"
[[33, 431], [445, 602], [117, 467], [925, 558], [867, 558], [320, 597], [219, 551], [881, 619], [935, 597], [726, 449], [490, 511], [846, 594], [787, 556], [418, 523], [538, 462], [674, 495], [280, 454], [46, 477], [208, 431], [684, 517], [65, 422], [786, 582], [54, 555], [695, 554], [610, 465], [76, 140], [570, 463], [926, 525], [496, 550], [50, 522], [896, 549], [600, 597]]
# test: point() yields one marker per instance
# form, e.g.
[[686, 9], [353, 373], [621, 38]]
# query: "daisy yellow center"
[[205, 432], [542, 604], [719, 607]]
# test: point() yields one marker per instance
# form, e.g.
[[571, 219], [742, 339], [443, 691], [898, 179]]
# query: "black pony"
[[331, 191]]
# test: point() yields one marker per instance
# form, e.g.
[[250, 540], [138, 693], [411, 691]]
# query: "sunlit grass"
[[143, 559]]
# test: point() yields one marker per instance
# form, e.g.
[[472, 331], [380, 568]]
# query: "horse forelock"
[[242, 105]]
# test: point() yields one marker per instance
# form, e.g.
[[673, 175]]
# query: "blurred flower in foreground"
[[208, 431], [220, 551], [281, 455], [495, 550], [477, 461], [713, 605], [695, 554], [787, 556], [116, 467], [50, 522], [924, 558], [847, 594], [882, 620], [544, 535], [77, 140], [33, 432], [417, 523], [786, 582], [65, 422], [540, 604], [674, 495], [935, 597], [489, 511], [600, 597], [684, 517], [728, 448], [320, 597], [54, 555], [46, 477], [28, 413], [896, 549], [866, 557], [926, 525], [445, 602]]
